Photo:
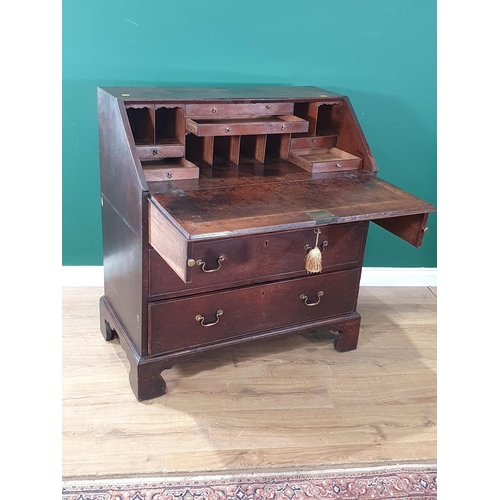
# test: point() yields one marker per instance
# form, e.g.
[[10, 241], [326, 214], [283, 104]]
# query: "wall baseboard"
[[371, 276], [399, 276]]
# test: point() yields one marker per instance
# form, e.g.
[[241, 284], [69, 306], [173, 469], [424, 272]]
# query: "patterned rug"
[[395, 482]]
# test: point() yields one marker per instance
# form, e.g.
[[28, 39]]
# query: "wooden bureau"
[[212, 198]]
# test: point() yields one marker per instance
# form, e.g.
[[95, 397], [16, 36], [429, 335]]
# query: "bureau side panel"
[[123, 272], [124, 221], [350, 135], [121, 174]]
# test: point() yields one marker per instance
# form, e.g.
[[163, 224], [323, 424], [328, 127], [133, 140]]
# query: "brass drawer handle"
[[322, 246], [305, 297], [201, 263], [200, 318]]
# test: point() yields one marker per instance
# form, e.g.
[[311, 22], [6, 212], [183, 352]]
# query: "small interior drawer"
[[156, 152], [317, 160], [222, 110], [170, 169], [204, 319], [285, 124], [322, 141]]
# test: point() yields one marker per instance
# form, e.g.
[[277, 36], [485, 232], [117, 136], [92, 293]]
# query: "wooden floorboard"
[[289, 402]]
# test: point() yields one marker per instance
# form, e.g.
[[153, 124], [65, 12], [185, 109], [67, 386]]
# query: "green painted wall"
[[381, 54]]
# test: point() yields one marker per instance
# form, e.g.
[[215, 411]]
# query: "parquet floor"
[[282, 403]]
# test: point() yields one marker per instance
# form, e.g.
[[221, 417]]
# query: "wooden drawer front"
[[219, 110], [174, 150], [178, 323], [286, 124], [260, 257], [170, 169], [325, 141]]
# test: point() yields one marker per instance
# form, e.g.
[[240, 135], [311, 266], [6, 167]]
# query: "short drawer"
[[170, 169], [265, 256], [325, 141], [211, 318], [156, 152], [221, 110]]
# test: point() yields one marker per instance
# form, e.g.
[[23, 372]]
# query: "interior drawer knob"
[[305, 298], [201, 318], [201, 263]]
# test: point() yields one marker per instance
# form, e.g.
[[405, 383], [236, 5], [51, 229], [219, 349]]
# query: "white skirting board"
[[371, 276]]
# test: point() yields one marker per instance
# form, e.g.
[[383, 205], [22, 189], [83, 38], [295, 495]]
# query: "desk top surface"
[[205, 207]]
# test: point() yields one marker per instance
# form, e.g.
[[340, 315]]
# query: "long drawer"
[[285, 124], [222, 110], [263, 257], [210, 318]]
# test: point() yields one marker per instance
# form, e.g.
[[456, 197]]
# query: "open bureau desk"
[[212, 200]]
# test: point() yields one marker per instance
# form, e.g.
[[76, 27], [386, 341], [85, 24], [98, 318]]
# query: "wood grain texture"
[[261, 207], [247, 126], [248, 310], [170, 169], [259, 258], [410, 229], [350, 135], [222, 110], [286, 402], [173, 150], [324, 159], [168, 242], [326, 141], [211, 94]]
